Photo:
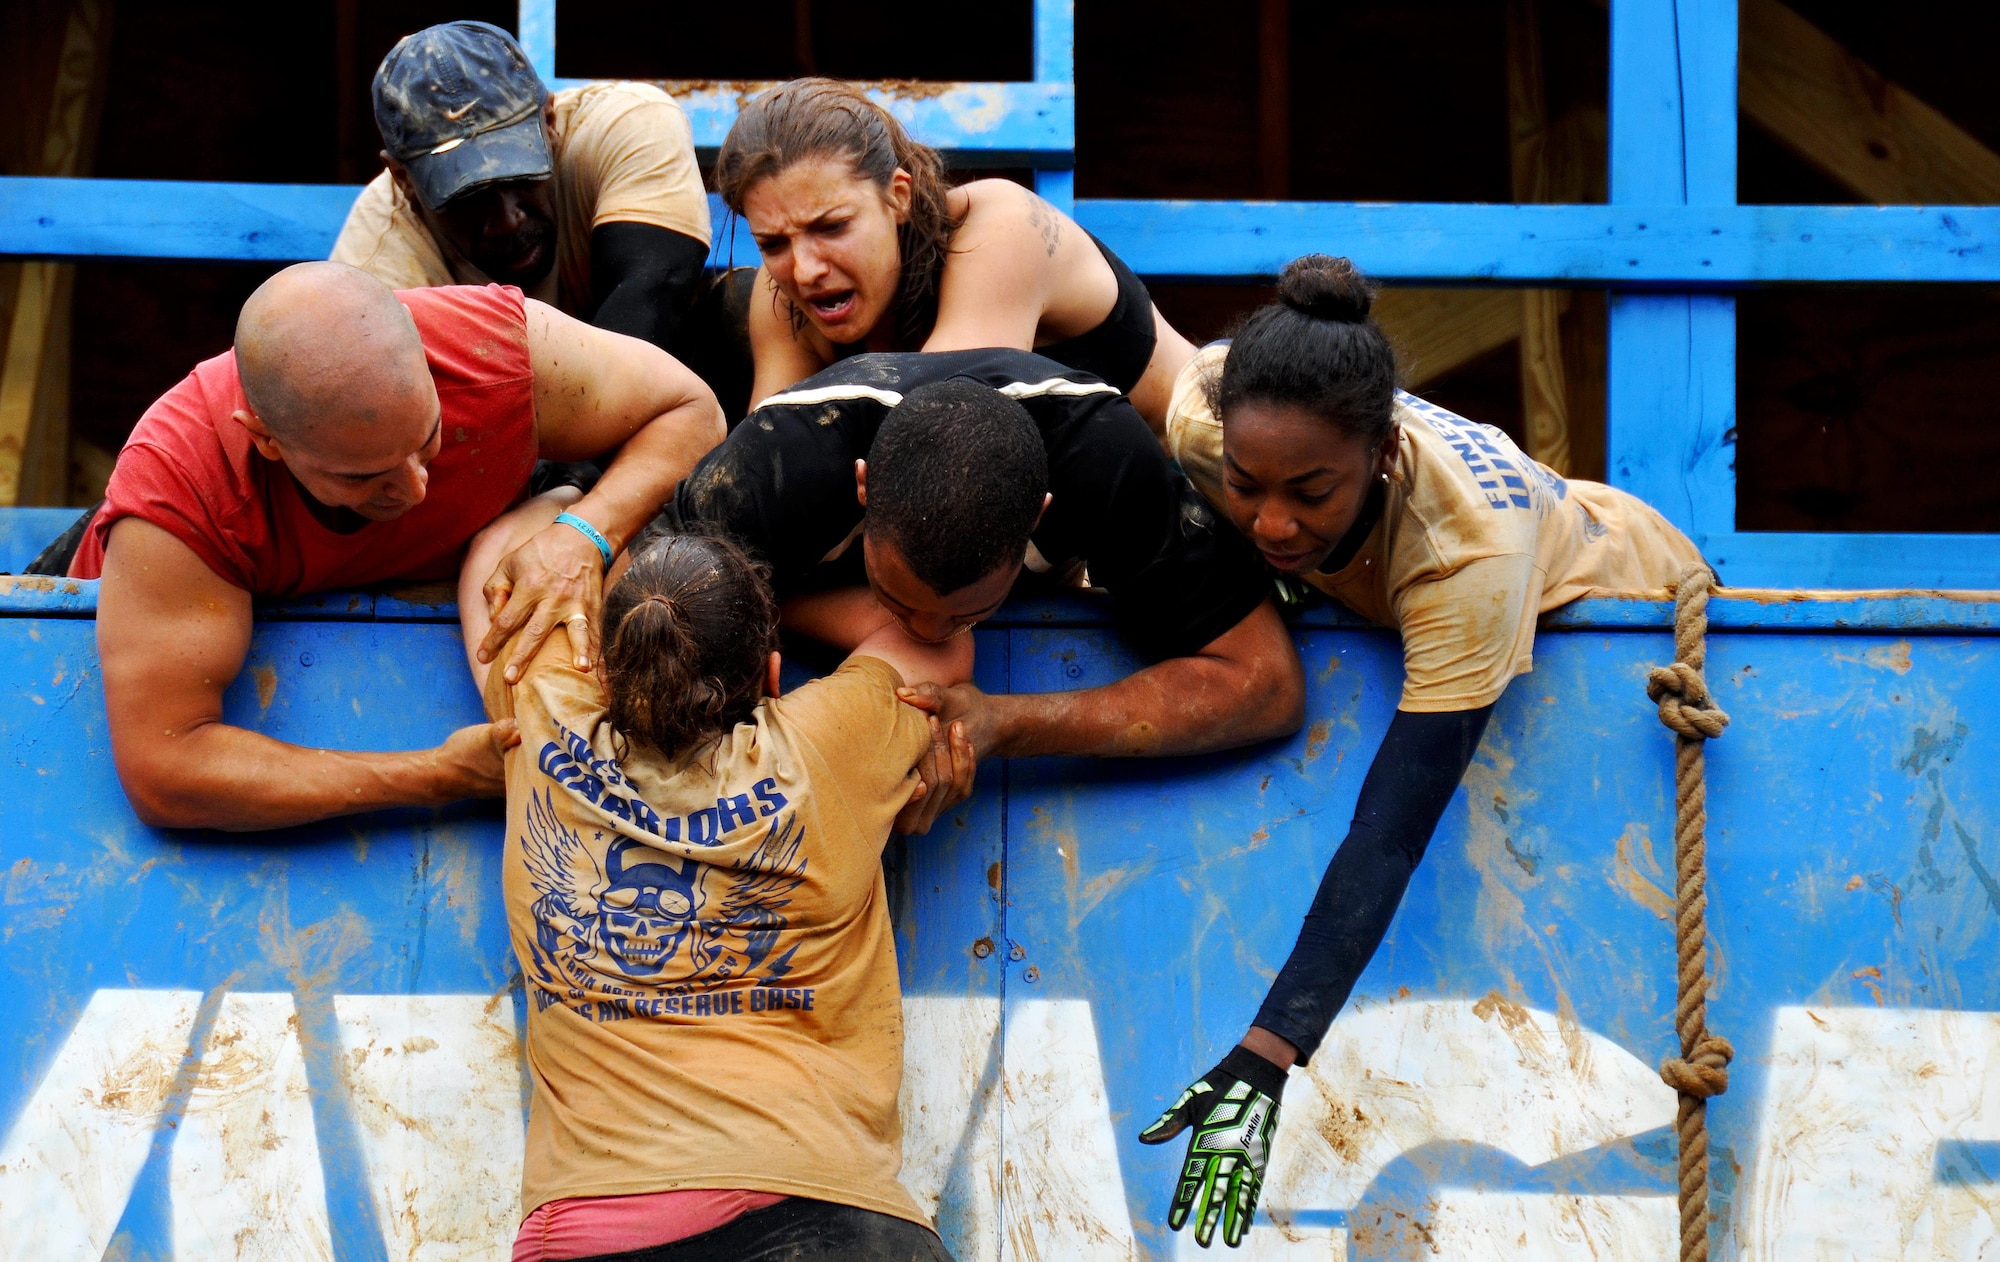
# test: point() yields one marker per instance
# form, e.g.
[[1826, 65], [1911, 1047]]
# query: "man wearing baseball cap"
[[588, 199]]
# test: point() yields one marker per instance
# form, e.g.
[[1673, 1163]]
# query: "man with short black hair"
[[588, 199], [961, 478], [901, 486]]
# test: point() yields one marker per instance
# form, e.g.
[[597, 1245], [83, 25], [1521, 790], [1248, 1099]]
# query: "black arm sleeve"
[[645, 278], [1414, 774]]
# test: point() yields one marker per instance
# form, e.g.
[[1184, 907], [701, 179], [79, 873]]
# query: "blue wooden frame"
[[1670, 246]]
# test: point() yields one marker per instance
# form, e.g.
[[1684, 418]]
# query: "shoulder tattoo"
[[1047, 221]]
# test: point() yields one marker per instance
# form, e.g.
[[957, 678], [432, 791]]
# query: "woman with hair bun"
[[867, 248], [1416, 519], [693, 880]]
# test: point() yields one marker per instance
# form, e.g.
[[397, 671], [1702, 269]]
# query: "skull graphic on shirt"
[[646, 907]]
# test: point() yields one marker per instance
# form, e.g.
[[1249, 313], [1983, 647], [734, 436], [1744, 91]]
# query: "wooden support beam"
[[1544, 388], [1838, 113], [1437, 330], [34, 373]]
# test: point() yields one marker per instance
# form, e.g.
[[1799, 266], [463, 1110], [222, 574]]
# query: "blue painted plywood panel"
[[1781, 609], [1509, 1024], [1851, 859]]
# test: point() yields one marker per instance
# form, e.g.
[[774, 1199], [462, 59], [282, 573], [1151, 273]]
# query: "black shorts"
[[800, 1230]]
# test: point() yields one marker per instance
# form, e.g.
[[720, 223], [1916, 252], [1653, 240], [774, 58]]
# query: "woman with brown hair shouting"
[[867, 248]]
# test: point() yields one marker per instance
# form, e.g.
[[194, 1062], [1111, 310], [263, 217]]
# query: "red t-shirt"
[[190, 468]]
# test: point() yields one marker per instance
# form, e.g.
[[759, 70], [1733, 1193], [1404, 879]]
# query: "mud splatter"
[[1316, 738], [139, 1085], [266, 678], [1637, 886], [1928, 745], [1891, 657], [1893, 892], [1979, 870], [1346, 1130], [1512, 1015], [1500, 913], [1527, 859], [1870, 977], [1895, 657]]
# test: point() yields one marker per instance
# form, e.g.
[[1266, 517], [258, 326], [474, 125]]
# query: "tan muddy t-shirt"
[[624, 153], [1475, 541], [706, 945]]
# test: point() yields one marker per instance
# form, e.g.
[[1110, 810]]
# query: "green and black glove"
[[1234, 1111]]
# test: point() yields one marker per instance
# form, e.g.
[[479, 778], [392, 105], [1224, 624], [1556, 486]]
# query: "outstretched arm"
[[1415, 772], [171, 636], [1233, 1108], [1245, 686]]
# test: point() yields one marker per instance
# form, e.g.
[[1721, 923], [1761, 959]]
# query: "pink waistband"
[[587, 1226]]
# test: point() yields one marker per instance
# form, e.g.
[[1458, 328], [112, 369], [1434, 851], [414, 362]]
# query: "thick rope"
[[1702, 1068]]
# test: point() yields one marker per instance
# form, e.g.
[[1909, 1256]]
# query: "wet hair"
[[688, 634], [1315, 348], [818, 118], [956, 477]]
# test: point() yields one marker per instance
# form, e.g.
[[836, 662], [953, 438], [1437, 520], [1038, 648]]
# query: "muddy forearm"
[[219, 776], [1185, 705]]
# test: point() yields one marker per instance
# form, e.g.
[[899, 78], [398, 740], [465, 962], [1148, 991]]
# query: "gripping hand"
[[1233, 1109]]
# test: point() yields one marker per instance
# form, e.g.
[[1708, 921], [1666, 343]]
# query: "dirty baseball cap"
[[459, 106]]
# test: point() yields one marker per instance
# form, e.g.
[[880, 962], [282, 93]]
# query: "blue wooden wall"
[[303, 1044]]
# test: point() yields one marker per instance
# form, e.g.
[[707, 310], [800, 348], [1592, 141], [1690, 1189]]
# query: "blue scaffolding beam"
[[1671, 246]]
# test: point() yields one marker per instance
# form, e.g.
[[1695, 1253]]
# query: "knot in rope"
[[1685, 706], [1704, 1074], [1701, 1071]]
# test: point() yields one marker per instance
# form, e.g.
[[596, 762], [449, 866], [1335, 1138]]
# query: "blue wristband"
[[589, 532]]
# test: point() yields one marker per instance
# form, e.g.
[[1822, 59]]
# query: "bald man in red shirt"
[[357, 436]]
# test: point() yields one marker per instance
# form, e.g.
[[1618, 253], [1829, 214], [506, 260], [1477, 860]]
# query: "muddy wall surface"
[[305, 1044]]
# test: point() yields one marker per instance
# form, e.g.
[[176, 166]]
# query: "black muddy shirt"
[[783, 484]]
